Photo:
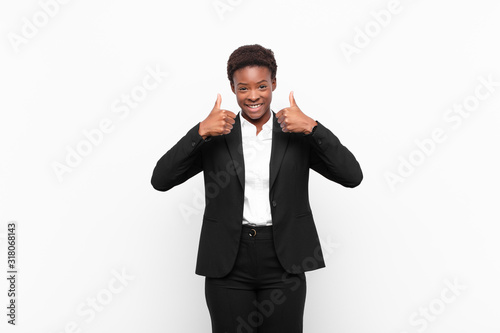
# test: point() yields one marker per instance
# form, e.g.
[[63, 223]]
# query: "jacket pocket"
[[210, 219], [303, 214]]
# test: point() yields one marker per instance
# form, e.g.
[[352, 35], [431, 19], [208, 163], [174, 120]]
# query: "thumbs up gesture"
[[218, 122], [293, 120]]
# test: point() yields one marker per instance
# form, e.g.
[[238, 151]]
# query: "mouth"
[[254, 107]]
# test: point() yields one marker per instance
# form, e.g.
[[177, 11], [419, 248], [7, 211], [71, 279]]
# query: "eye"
[[263, 86], [242, 88]]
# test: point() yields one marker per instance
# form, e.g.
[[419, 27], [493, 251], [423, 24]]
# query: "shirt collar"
[[249, 129]]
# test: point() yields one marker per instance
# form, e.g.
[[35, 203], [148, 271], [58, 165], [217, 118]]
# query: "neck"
[[258, 123]]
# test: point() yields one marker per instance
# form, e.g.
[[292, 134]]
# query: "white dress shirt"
[[257, 155]]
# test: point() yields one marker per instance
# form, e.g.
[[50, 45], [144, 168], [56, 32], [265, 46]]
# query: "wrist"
[[310, 126], [201, 131]]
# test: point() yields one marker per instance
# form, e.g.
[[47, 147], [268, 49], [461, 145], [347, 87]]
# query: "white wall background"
[[394, 250]]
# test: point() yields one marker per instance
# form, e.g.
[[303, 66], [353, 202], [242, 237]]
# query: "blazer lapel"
[[235, 146], [279, 144]]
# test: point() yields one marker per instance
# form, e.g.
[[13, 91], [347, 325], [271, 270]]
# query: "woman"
[[258, 235]]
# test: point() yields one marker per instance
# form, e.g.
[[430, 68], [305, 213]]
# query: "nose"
[[253, 96]]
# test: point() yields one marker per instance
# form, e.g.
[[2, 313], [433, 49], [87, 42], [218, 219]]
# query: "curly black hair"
[[251, 55]]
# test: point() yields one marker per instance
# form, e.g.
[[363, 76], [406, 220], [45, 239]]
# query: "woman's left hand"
[[293, 120]]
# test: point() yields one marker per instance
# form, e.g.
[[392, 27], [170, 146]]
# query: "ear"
[[232, 88], [273, 83]]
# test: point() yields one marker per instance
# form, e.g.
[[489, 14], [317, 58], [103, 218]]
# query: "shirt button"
[[274, 203]]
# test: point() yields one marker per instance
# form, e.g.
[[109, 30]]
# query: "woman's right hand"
[[218, 122]]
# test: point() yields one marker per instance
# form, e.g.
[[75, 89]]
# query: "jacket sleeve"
[[180, 163], [331, 159]]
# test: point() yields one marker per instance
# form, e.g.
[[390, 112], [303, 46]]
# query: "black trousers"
[[258, 295]]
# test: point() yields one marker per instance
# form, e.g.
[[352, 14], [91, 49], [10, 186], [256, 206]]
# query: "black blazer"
[[221, 160]]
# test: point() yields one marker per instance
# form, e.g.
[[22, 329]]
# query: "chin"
[[255, 116]]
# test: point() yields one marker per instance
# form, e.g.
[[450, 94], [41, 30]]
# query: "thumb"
[[218, 101], [292, 99]]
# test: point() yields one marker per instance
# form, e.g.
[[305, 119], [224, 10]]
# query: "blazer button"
[[274, 203]]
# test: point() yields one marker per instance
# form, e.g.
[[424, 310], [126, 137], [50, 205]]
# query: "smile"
[[254, 106]]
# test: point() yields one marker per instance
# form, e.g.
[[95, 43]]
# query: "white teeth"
[[254, 106]]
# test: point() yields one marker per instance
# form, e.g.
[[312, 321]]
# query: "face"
[[254, 88]]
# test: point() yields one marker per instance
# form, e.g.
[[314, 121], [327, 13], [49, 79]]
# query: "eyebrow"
[[247, 83]]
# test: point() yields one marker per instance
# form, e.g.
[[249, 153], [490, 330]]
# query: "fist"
[[293, 120], [218, 122]]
